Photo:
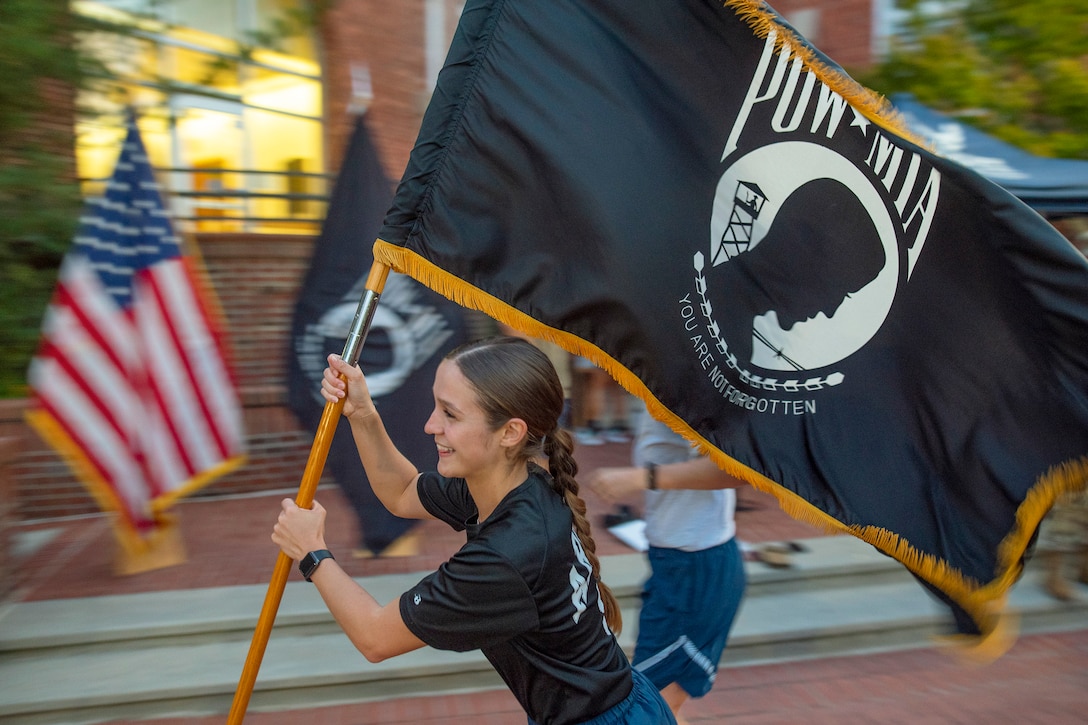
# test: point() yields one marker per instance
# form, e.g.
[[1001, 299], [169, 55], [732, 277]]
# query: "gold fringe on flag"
[[874, 107], [984, 603]]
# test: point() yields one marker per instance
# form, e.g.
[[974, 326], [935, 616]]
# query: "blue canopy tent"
[[1052, 187]]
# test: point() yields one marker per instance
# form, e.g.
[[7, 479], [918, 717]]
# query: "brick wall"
[[9, 446], [844, 28], [388, 38], [256, 278]]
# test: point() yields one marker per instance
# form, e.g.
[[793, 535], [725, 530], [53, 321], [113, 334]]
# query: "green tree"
[[40, 68], [1017, 70]]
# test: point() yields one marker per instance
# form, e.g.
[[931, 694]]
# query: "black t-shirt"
[[522, 591]]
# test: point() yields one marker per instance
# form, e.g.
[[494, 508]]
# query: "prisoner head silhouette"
[[821, 246]]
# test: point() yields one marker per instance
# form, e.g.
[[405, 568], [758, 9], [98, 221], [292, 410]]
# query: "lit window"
[[236, 130]]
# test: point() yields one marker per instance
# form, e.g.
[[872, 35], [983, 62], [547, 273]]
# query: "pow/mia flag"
[[412, 329], [693, 197]]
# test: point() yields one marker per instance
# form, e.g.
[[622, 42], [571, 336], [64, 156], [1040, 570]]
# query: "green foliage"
[[28, 48], [39, 197], [290, 23], [1017, 70]]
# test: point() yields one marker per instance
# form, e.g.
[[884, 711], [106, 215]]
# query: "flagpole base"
[[163, 547]]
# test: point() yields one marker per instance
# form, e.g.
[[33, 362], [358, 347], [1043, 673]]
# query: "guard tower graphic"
[[748, 200]]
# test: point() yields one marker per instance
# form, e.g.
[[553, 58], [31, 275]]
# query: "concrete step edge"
[[292, 666], [826, 561]]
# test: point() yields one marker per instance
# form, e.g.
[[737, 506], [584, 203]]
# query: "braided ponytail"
[[559, 448], [514, 379]]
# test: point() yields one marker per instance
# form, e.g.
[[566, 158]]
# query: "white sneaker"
[[588, 437], [617, 435]]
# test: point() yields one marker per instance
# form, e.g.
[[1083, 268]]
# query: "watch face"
[[308, 564]]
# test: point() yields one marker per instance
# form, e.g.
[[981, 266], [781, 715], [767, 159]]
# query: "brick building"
[[257, 275]]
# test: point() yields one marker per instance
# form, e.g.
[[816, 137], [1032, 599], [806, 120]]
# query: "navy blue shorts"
[[688, 606], [642, 706]]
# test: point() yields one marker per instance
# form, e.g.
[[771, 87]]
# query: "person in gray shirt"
[[697, 578]]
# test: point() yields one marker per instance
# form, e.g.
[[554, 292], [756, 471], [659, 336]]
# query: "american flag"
[[130, 382]]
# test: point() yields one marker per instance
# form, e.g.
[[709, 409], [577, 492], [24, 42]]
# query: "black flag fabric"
[[411, 330], [696, 199]]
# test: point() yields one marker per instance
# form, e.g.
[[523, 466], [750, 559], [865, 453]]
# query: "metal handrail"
[[241, 194], [244, 209], [271, 172]]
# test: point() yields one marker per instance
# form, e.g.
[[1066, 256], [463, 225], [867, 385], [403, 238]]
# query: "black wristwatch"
[[309, 563]]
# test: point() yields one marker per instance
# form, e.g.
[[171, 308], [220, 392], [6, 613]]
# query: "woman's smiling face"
[[466, 442]]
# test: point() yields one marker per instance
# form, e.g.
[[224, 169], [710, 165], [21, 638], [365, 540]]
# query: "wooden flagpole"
[[319, 451]]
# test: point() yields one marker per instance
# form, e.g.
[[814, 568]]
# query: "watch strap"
[[309, 563]]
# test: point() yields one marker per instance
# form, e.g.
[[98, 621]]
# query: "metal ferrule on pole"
[[364, 316]]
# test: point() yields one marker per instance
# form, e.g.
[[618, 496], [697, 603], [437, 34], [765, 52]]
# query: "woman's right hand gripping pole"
[[343, 381]]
